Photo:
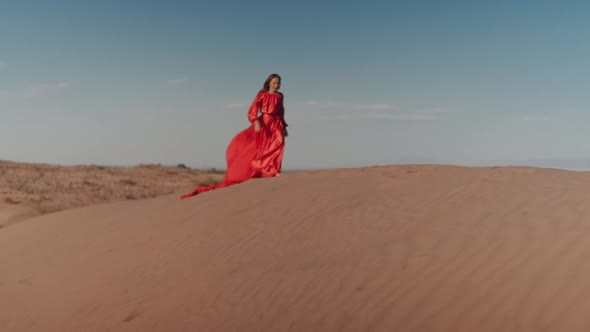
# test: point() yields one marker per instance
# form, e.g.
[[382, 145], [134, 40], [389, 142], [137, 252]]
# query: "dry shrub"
[[47, 188], [10, 200]]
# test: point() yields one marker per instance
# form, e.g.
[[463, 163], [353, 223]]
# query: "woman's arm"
[[282, 112], [254, 107]]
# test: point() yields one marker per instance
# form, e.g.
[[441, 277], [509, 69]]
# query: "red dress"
[[253, 154]]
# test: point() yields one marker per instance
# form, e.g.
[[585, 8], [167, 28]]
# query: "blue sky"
[[365, 82]]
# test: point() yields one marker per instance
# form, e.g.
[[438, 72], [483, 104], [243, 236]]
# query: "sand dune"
[[397, 248], [10, 213]]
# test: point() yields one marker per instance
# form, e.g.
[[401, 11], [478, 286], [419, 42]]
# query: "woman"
[[258, 150]]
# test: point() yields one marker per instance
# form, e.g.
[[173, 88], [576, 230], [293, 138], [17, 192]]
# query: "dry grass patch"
[[50, 188]]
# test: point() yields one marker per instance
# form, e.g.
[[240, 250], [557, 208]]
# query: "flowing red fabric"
[[252, 154]]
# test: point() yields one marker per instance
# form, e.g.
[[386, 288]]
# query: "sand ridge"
[[393, 248], [11, 213]]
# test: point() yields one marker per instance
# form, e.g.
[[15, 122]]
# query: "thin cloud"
[[2, 64], [535, 118], [377, 116], [179, 81], [36, 90], [374, 107], [379, 111], [400, 117], [315, 104], [44, 88], [239, 104], [319, 104]]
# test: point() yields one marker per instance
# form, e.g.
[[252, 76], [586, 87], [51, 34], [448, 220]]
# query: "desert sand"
[[392, 248]]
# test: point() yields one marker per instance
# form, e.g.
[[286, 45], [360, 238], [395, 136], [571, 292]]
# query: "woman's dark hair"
[[266, 85]]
